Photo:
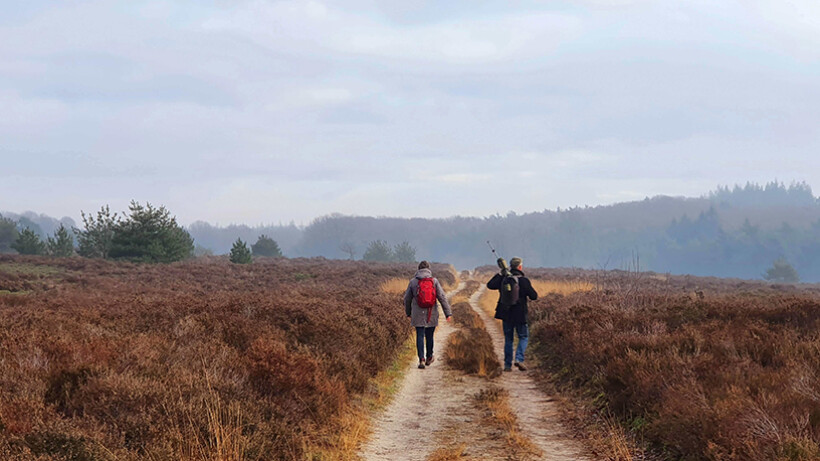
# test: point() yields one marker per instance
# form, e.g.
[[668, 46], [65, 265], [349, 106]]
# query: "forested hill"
[[731, 232]]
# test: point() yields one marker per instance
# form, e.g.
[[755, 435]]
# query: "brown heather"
[[202, 360], [697, 368]]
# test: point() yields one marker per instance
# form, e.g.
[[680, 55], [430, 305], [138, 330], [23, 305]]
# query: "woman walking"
[[420, 306]]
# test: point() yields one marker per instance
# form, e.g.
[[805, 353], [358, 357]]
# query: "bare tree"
[[349, 249]]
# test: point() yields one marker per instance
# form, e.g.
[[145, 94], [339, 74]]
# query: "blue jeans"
[[523, 338], [423, 334]]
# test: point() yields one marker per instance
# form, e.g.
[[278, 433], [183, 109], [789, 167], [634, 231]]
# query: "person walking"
[[420, 306], [512, 310]]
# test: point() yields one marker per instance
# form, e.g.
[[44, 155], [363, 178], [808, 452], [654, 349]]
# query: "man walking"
[[420, 306], [515, 288]]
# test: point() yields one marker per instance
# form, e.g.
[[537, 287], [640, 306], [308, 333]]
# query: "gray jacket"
[[418, 316]]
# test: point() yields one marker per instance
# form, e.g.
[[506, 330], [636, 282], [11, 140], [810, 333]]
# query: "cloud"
[[351, 106]]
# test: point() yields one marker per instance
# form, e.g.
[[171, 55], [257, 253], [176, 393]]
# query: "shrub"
[[266, 246], [149, 362], [699, 368], [240, 254]]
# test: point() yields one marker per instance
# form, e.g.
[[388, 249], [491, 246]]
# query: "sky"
[[277, 111]]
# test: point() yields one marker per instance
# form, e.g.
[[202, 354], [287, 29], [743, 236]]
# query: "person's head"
[[424, 265], [516, 263]]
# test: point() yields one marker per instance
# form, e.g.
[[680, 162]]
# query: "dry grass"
[[470, 348], [394, 286], [729, 374], [450, 454], [202, 360], [464, 295], [561, 287], [494, 403]]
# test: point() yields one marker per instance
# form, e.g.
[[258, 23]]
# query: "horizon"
[[296, 109], [302, 225]]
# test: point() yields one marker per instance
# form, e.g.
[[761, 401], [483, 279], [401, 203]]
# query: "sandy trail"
[[404, 430], [538, 415], [435, 408]]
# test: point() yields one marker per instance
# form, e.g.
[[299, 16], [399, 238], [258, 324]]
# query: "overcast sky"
[[272, 111]]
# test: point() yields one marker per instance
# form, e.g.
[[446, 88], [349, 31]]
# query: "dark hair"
[[424, 265]]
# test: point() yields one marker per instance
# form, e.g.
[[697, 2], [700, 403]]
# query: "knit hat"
[[515, 262]]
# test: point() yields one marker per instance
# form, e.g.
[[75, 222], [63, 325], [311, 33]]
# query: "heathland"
[[207, 360], [683, 367], [198, 360]]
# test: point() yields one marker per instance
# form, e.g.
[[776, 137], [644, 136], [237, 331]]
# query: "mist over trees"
[[738, 231], [735, 231]]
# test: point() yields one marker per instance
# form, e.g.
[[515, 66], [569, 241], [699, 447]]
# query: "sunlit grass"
[[394, 286], [561, 287]]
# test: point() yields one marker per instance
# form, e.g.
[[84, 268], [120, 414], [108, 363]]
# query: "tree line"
[[740, 231], [148, 234]]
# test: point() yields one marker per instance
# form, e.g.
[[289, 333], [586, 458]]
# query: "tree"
[[62, 245], [150, 234], [266, 246], [240, 254], [8, 234], [29, 243], [96, 239], [349, 249], [404, 253], [378, 250], [781, 271]]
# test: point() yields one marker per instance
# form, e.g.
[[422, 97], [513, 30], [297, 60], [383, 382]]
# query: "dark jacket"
[[418, 316], [516, 314]]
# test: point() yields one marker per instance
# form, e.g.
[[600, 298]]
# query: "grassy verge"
[[342, 440]]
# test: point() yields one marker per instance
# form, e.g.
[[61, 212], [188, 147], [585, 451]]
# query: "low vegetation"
[[695, 368], [201, 360], [470, 348]]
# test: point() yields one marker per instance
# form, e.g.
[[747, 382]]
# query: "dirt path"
[[435, 408], [538, 415], [404, 430]]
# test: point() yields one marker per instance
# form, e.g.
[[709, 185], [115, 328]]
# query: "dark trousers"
[[423, 334]]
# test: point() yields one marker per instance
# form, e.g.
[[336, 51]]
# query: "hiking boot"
[[507, 368], [421, 364], [520, 366], [429, 361]]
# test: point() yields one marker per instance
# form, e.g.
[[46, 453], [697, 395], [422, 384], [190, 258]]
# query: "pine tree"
[[240, 254], [96, 239], [781, 271], [378, 250], [150, 234], [62, 245], [8, 234], [266, 246], [404, 253], [29, 243]]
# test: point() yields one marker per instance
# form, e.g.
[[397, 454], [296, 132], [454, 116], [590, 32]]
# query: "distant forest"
[[732, 232]]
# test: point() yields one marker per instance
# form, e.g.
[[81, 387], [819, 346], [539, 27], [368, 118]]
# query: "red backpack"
[[426, 297]]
